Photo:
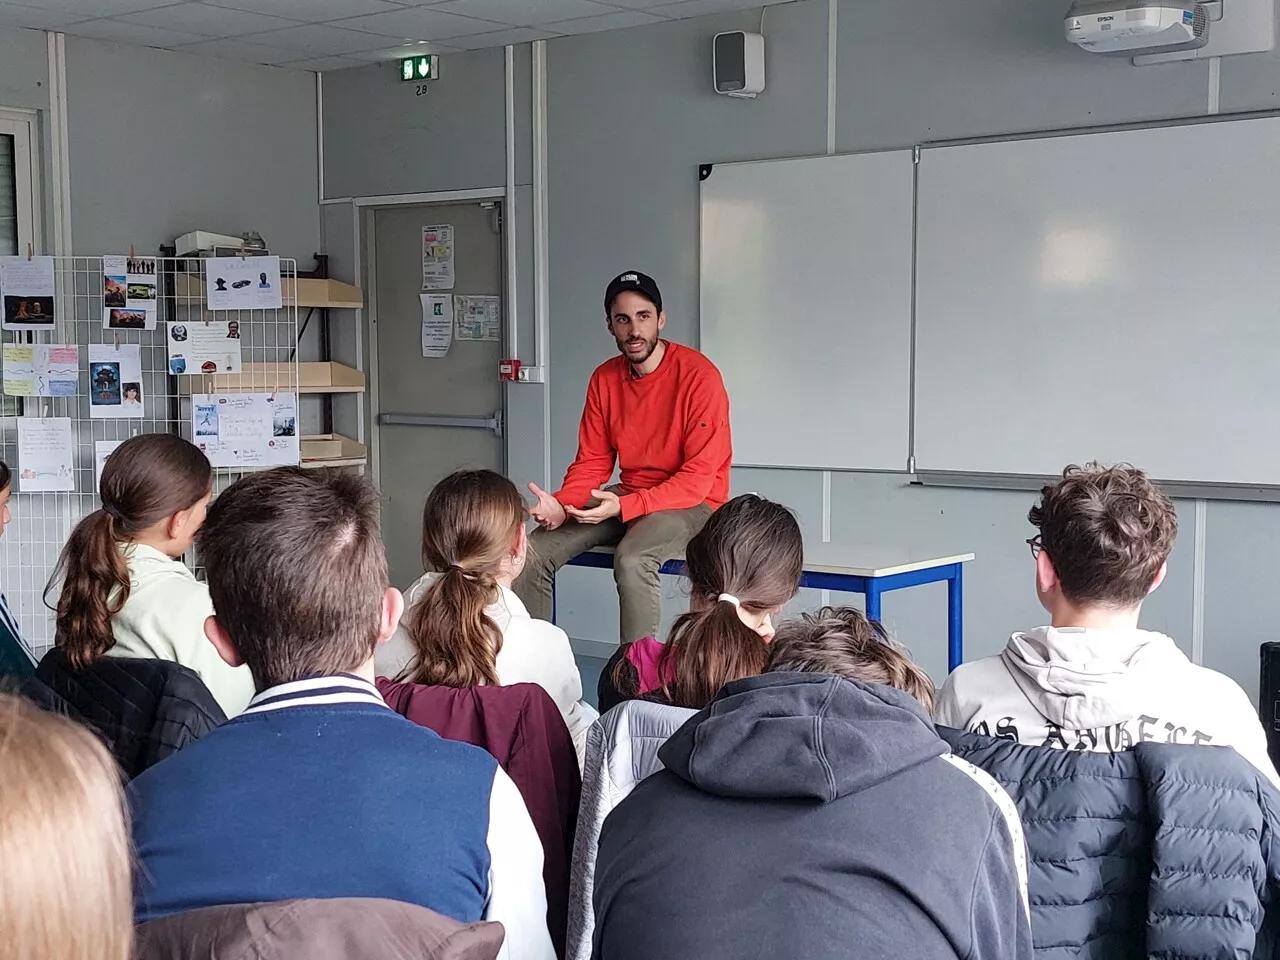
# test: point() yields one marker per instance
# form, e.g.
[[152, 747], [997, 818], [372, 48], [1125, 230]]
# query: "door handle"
[[493, 423]]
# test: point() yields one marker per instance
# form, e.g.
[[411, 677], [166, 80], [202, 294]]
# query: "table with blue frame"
[[871, 572]]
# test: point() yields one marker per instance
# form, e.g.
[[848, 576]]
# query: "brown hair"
[[751, 548], [841, 641], [64, 841], [1107, 531], [297, 571], [147, 479], [6, 476], [469, 526]]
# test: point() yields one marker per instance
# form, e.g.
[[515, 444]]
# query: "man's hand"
[[608, 506], [547, 511]]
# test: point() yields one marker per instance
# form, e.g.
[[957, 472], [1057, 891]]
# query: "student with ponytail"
[[464, 626], [124, 592], [742, 567]]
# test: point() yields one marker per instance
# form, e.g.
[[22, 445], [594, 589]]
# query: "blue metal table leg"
[[955, 617], [873, 600]]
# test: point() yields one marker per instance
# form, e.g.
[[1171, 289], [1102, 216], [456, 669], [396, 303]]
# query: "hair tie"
[[113, 513], [466, 574], [729, 598]]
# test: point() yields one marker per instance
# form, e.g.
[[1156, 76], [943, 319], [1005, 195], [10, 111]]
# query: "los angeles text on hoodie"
[[1103, 690]]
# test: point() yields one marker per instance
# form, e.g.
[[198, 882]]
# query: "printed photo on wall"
[[115, 381], [128, 293], [27, 292]]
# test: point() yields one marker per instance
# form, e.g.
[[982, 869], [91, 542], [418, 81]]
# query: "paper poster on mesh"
[[27, 292], [129, 293], [41, 370], [477, 318], [246, 429]]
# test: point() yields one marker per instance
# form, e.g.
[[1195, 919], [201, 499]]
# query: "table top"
[[866, 561]]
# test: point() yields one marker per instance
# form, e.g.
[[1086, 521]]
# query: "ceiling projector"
[[1129, 27]]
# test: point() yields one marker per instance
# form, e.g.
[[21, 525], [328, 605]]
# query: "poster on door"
[[477, 318], [437, 257], [437, 324]]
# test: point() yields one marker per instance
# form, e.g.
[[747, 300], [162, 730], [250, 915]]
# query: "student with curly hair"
[[1092, 679]]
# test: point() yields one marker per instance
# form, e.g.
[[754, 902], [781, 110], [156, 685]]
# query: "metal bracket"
[[493, 423]]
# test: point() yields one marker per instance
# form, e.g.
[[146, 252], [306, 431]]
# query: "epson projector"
[[1129, 27]]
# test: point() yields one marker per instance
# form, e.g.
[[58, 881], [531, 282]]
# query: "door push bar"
[[493, 423]]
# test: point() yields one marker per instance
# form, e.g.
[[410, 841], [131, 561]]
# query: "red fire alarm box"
[[509, 370]]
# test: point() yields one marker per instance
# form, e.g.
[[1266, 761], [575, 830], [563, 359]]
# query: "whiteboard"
[[806, 307], [1111, 296]]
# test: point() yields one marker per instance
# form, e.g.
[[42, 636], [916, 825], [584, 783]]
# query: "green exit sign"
[[425, 67]]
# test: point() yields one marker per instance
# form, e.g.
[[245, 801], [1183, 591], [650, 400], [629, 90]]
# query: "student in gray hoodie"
[[1091, 679], [804, 815]]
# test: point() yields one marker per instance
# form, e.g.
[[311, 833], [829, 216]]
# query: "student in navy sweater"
[[319, 790]]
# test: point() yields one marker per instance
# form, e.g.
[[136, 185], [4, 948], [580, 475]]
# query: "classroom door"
[[461, 386]]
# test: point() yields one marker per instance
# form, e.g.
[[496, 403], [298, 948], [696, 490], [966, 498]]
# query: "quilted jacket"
[[144, 710], [622, 750], [1162, 851]]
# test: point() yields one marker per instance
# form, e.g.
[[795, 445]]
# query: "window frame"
[[22, 125]]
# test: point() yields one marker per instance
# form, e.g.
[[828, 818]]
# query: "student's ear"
[[1160, 574], [392, 611], [1046, 575], [522, 545], [221, 640], [662, 320]]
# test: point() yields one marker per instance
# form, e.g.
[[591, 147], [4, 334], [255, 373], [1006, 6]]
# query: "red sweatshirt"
[[669, 432]]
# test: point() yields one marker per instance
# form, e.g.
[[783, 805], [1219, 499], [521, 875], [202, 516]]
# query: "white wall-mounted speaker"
[[738, 63]]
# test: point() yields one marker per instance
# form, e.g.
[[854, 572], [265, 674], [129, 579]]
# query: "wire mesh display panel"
[[158, 401]]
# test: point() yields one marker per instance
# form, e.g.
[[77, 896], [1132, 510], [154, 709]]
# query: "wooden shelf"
[[312, 377], [332, 450], [330, 294]]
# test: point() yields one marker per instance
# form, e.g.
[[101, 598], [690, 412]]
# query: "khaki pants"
[[644, 545]]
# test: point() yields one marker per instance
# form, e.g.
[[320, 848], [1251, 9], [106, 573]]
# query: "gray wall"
[[162, 143], [631, 116], [24, 83]]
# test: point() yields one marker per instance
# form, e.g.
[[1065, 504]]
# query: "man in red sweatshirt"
[[661, 412]]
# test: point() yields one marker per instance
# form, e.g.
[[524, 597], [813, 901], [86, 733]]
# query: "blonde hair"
[[64, 847]]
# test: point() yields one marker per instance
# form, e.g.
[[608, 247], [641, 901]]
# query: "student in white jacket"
[[122, 591], [1091, 679], [463, 625]]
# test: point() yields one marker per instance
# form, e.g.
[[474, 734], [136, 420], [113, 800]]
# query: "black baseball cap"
[[641, 283]]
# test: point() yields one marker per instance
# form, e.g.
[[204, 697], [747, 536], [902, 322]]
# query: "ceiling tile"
[[501, 38], [319, 40], [642, 4], [609, 21], [325, 64], [15, 16], [309, 11], [698, 8], [523, 13], [401, 50], [96, 8], [133, 33], [207, 20], [419, 23], [239, 50]]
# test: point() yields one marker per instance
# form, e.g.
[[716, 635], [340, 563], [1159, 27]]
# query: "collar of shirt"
[[315, 691]]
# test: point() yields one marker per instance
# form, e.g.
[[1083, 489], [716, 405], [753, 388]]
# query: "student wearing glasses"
[[1092, 679]]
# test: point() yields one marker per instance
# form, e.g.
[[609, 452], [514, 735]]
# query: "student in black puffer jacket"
[[1161, 851]]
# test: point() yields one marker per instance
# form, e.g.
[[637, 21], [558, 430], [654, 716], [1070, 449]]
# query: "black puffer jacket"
[[144, 710], [1162, 851]]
